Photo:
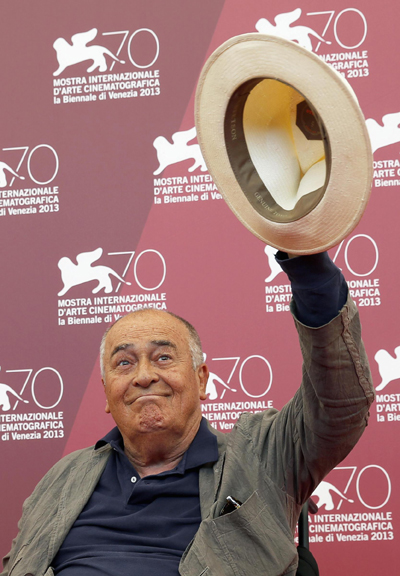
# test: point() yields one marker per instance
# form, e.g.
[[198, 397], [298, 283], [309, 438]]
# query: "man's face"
[[150, 383]]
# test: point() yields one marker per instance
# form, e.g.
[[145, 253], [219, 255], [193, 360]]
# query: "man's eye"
[[123, 363], [164, 357]]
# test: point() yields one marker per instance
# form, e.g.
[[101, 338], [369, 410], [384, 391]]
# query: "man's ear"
[[202, 372], [107, 408]]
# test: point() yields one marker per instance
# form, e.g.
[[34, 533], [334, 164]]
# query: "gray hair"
[[194, 341]]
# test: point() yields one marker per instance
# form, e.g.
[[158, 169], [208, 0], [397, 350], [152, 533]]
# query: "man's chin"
[[151, 419]]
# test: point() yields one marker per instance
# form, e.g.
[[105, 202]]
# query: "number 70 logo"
[[23, 156]]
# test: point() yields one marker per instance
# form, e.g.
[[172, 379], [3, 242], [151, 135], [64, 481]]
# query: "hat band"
[[253, 186]]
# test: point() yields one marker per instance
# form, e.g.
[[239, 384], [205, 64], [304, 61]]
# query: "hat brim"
[[250, 56]]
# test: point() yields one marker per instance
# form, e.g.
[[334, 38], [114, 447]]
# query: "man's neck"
[[158, 452]]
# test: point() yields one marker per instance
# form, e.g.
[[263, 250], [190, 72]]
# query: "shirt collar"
[[202, 450]]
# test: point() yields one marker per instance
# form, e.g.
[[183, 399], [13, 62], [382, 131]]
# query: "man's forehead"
[[151, 325]]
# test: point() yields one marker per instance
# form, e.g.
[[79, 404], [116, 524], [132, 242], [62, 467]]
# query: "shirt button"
[[133, 479]]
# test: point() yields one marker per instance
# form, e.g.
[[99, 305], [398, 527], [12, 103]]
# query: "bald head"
[[193, 339]]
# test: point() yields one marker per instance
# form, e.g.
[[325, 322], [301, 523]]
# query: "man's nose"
[[145, 374]]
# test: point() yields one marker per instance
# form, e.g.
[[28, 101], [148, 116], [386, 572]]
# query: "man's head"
[[153, 374]]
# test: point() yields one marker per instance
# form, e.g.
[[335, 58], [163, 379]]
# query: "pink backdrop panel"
[[106, 205]]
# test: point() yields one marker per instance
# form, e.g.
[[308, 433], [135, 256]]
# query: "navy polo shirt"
[[137, 526]]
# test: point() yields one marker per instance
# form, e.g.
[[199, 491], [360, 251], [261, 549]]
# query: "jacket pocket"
[[253, 536], [25, 565], [193, 562], [18, 559]]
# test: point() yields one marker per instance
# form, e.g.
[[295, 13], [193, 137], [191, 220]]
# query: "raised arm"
[[326, 417]]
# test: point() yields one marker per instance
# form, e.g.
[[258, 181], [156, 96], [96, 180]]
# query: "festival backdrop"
[[106, 206]]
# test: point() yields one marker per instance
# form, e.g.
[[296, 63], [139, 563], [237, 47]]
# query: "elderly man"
[[164, 493]]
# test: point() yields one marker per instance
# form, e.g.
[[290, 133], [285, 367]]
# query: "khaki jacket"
[[271, 461]]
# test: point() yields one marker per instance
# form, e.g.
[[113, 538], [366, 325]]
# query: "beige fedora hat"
[[285, 141]]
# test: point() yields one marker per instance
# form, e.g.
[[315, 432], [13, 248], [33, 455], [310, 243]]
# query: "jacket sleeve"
[[43, 520], [15, 546], [323, 422]]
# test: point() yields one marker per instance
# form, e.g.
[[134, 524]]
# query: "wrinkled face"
[[150, 383]]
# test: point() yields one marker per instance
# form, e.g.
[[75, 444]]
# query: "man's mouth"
[[144, 397]]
